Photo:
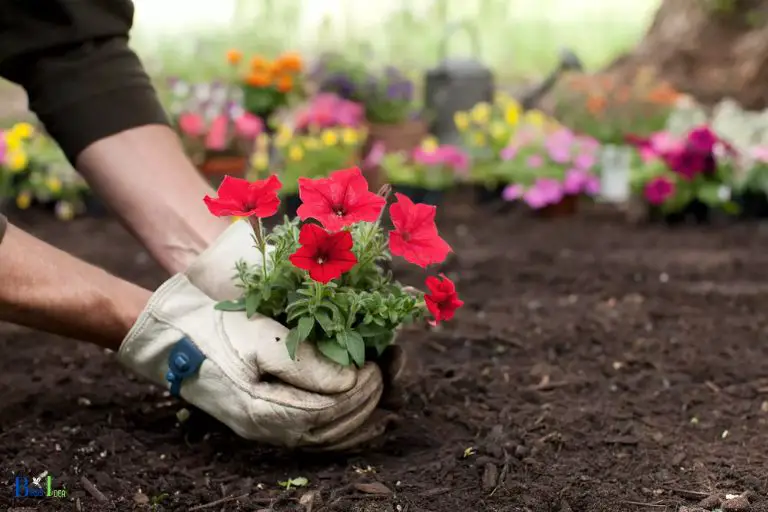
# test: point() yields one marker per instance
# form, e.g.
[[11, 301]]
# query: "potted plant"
[[688, 177], [551, 172], [425, 173], [751, 192], [485, 131], [268, 85], [307, 155], [325, 279]]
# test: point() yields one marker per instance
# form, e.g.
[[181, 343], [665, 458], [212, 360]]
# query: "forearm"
[[46, 289], [146, 178]]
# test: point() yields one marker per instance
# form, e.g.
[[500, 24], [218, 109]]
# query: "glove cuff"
[[213, 271]]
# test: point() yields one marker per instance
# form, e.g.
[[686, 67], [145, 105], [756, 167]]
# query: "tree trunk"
[[707, 51]]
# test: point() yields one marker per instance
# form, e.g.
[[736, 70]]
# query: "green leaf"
[[252, 303], [341, 338], [292, 342], [231, 305], [356, 347], [325, 322], [709, 194], [333, 351], [370, 331], [306, 323]]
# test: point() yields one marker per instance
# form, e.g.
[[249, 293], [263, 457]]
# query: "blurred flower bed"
[[34, 171]]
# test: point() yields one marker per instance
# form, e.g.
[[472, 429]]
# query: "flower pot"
[[433, 197], [405, 136], [754, 205], [695, 211], [567, 206], [217, 165]]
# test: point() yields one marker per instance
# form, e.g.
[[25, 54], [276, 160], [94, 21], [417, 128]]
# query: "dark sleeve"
[[72, 57]]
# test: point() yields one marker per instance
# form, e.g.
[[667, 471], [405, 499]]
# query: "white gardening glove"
[[220, 362], [213, 272]]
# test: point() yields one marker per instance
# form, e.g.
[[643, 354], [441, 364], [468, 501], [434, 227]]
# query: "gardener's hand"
[[220, 361], [213, 272]]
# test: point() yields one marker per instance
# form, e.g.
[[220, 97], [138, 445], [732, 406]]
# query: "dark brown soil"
[[597, 366]]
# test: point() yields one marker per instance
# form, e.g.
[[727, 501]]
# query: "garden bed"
[[596, 367]]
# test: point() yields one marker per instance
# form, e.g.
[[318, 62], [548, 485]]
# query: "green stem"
[[258, 231]]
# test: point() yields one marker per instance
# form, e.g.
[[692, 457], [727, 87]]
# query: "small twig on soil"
[[225, 500], [93, 491], [714, 387], [438, 347], [687, 494], [549, 386], [640, 504]]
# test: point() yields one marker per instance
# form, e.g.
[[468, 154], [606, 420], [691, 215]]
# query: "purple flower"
[[575, 181], [513, 192], [585, 161], [592, 185], [559, 155], [545, 191], [400, 91]]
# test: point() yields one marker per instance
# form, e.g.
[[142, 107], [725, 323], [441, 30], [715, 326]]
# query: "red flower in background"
[[340, 200], [442, 300], [415, 236], [658, 190], [325, 255], [702, 139], [242, 198]]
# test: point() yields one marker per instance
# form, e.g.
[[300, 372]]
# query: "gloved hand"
[[219, 361], [213, 272]]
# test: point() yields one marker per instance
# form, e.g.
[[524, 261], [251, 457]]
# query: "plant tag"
[[614, 178]]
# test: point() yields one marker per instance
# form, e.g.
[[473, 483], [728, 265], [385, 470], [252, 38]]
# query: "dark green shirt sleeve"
[[72, 57]]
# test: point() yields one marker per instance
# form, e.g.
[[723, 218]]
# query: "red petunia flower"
[[415, 236], [442, 300], [342, 199], [242, 198], [325, 255]]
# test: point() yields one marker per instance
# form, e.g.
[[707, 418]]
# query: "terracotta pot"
[[568, 206], [405, 136], [216, 166]]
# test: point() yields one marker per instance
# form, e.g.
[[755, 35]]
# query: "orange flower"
[[259, 64], [596, 104], [258, 79], [289, 62], [284, 83], [623, 94], [234, 57], [663, 94]]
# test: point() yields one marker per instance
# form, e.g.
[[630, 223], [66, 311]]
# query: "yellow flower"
[[284, 136], [503, 99], [17, 161], [429, 144], [296, 153], [23, 130], [350, 136], [260, 160], [12, 141], [481, 113], [512, 114], [499, 131], [53, 184], [535, 118], [461, 120], [23, 200], [479, 139], [312, 143], [329, 138], [65, 210]]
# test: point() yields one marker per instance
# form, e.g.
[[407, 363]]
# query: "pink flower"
[[513, 192], [535, 161], [191, 125], [509, 152], [589, 144], [560, 155], [248, 126], [327, 110], [592, 185], [545, 191], [455, 158], [575, 181], [375, 155], [760, 154], [425, 157], [658, 190], [217, 134], [585, 161]]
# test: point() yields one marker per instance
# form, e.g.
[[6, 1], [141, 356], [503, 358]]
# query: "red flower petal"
[[241, 198], [325, 255], [415, 237], [340, 200], [442, 301]]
